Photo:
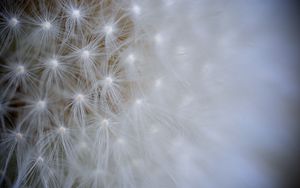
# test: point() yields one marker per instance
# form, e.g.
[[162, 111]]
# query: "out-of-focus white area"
[[237, 65]]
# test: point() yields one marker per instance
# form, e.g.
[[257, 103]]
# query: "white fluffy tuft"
[[145, 94]]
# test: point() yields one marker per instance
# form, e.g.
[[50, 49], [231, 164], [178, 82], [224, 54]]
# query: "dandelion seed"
[[110, 70], [53, 63], [76, 13], [41, 104], [131, 58], [79, 98], [105, 122], [108, 80], [108, 29], [61, 130], [20, 69], [136, 9], [85, 54], [40, 159], [138, 101], [46, 25], [19, 136], [13, 22]]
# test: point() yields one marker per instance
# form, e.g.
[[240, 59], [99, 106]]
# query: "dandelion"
[[127, 94]]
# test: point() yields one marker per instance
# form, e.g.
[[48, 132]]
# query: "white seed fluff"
[[46, 25], [76, 13], [108, 29], [148, 93], [13, 22]]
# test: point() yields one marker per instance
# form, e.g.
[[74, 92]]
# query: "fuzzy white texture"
[[144, 94]]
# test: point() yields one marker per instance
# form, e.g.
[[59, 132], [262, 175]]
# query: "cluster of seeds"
[[72, 93], [145, 93]]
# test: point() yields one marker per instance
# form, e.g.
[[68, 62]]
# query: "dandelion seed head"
[[127, 93]]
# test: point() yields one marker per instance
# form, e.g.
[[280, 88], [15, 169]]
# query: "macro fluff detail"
[[139, 94]]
